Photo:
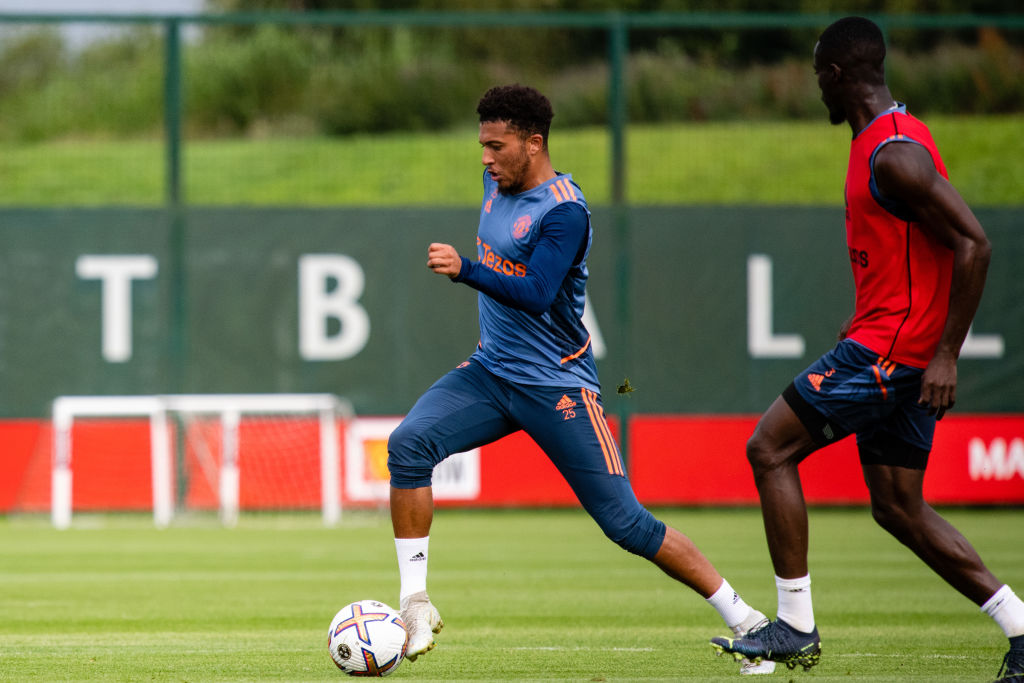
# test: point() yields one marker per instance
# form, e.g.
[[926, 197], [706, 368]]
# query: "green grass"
[[765, 163], [527, 595]]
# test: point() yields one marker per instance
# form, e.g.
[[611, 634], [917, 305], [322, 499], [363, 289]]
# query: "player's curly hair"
[[858, 46], [522, 107]]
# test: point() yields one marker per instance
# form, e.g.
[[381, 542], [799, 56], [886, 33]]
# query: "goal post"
[[229, 410]]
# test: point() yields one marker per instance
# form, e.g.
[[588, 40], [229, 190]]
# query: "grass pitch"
[[527, 595]]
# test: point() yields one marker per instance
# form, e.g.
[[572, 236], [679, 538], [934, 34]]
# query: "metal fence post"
[[174, 199], [618, 47], [172, 109]]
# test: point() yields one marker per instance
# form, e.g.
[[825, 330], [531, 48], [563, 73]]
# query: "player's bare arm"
[[844, 328], [443, 259], [907, 172]]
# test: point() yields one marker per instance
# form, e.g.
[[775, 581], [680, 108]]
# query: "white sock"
[[1007, 610], [795, 602], [412, 565], [729, 604]]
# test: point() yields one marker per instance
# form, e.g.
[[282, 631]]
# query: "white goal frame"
[[230, 407]]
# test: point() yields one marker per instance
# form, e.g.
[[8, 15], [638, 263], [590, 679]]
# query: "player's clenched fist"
[[443, 259]]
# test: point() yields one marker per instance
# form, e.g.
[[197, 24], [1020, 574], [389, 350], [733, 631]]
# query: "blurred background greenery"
[[272, 111], [267, 79]]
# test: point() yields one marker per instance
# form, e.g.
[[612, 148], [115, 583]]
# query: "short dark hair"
[[522, 107], [857, 45]]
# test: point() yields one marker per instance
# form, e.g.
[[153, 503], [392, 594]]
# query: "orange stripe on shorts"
[[604, 435]]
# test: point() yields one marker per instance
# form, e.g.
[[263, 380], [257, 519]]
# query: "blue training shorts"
[[470, 407], [853, 390]]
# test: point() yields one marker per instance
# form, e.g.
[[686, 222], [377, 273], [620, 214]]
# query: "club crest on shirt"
[[521, 228]]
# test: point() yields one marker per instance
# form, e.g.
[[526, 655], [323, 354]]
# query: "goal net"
[[223, 453]]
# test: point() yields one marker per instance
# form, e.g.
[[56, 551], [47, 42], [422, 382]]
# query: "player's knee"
[[641, 534], [891, 516], [766, 454], [409, 462], [882, 514], [760, 453]]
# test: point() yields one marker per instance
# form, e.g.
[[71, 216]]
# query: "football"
[[367, 638]]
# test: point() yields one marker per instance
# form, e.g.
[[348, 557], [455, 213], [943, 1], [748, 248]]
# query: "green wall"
[[228, 321]]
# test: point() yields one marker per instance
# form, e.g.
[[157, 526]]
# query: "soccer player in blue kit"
[[532, 370]]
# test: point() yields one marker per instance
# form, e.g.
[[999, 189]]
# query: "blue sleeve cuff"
[[463, 270]]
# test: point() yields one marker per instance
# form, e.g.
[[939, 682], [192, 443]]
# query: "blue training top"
[[532, 274]]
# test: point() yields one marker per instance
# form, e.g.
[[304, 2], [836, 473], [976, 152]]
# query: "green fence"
[[723, 305]]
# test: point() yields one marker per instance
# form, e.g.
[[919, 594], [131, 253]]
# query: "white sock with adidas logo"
[[412, 564], [730, 605]]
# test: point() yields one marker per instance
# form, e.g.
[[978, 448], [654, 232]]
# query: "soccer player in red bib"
[[919, 260], [533, 370]]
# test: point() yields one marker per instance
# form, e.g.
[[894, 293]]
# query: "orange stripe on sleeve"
[[567, 189], [557, 191]]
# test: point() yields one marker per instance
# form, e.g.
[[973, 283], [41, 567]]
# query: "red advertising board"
[[673, 460], [701, 460]]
